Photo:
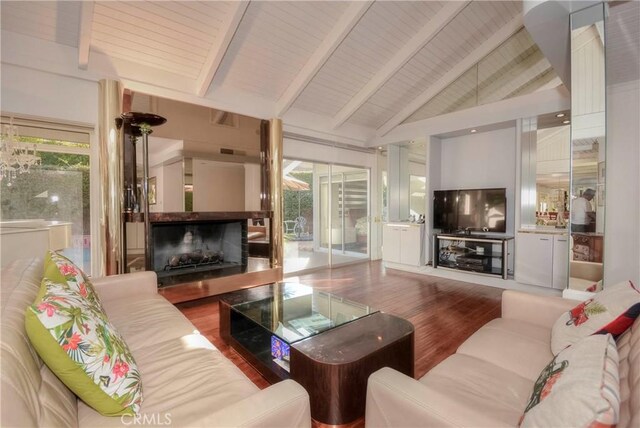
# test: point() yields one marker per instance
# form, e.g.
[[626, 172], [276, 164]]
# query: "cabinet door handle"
[[544, 239], [562, 240]]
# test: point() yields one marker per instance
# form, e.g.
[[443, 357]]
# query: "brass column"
[[275, 185], [110, 164]]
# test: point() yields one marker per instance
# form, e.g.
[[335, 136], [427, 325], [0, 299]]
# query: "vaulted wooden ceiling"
[[361, 64]]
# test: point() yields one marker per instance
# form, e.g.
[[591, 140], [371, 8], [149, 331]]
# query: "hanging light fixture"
[[15, 157]]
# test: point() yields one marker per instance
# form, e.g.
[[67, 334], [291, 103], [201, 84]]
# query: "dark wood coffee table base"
[[334, 366]]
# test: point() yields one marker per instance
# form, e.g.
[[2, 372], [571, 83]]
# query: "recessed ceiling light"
[[473, 131], [560, 115], [379, 147], [566, 121]]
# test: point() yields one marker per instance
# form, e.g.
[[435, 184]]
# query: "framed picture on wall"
[[152, 191]]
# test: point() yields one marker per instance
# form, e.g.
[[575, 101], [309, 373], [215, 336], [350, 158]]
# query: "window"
[[58, 189]]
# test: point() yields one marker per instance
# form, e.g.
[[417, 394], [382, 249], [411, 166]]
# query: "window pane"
[[56, 190]]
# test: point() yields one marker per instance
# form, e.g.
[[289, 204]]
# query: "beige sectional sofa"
[[488, 381], [186, 381]]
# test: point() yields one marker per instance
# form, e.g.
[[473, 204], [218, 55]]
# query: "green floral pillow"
[[61, 270], [76, 341]]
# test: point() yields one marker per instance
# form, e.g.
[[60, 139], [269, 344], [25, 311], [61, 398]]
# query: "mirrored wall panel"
[[588, 141]]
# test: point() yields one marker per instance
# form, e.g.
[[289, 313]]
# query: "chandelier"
[[15, 157]]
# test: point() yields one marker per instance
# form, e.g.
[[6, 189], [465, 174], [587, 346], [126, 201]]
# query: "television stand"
[[480, 254]]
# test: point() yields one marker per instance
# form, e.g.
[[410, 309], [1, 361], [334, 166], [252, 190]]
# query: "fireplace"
[[196, 250]]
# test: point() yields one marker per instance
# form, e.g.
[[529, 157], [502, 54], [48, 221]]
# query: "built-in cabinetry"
[[402, 243], [483, 254], [542, 259]]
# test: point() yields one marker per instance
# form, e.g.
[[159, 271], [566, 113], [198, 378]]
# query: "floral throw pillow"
[[612, 310], [60, 269], [77, 342], [578, 388]]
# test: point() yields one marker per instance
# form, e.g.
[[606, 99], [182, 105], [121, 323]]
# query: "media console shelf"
[[481, 254]]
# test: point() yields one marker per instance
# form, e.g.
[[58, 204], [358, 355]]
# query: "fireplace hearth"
[[196, 250]]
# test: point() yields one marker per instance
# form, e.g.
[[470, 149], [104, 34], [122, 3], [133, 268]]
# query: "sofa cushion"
[[185, 380], [31, 394], [468, 391], [578, 388], [629, 371], [147, 321], [514, 345], [77, 342], [612, 310]]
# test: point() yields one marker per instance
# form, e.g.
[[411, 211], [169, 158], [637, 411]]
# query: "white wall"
[[622, 219], [173, 188], [37, 93], [252, 186], [482, 160], [212, 179]]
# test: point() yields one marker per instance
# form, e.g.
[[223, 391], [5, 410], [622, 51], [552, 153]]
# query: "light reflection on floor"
[[300, 256]]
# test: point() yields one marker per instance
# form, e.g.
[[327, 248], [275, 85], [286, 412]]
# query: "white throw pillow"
[[612, 310], [578, 388]]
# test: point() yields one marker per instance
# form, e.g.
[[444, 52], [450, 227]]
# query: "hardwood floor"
[[444, 312]]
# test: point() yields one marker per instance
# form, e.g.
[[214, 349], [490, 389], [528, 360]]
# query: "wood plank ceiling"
[[370, 65]]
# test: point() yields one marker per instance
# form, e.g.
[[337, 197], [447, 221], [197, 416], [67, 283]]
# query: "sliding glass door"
[[334, 206], [302, 216]]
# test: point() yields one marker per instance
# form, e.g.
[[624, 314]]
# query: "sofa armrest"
[[285, 404], [533, 308], [394, 400], [129, 285]]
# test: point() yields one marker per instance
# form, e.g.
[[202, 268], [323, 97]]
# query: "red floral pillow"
[[610, 311]]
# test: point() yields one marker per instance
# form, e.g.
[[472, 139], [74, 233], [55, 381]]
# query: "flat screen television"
[[472, 209]]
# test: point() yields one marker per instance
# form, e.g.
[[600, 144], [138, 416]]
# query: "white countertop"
[[546, 230], [404, 224]]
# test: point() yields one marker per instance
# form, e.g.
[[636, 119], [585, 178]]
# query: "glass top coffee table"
[[328, 344]]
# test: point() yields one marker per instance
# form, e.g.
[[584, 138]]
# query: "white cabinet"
[[391, 243], [542, 259], [560, 261], [403, 243]]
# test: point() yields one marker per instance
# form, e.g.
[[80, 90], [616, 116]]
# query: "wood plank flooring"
[[444, 312]]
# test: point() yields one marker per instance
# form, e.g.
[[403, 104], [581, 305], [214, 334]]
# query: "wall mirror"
[[202, 159], [545, 170], [405, 181], [588, 141]]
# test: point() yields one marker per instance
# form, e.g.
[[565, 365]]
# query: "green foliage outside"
[[32, 195]]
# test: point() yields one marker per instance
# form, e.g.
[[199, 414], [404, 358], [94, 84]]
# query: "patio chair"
[[300, 226], [290, 226]]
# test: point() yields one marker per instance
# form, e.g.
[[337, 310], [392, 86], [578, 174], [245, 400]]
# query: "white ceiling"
[[345, 64]]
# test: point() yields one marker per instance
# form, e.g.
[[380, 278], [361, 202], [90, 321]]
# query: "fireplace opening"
[[186, 252]]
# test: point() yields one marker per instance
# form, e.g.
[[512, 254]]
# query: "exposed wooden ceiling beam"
[[84, 33], [340, 31], [417, 42], [480, 52], [526, 71], [220, 46]]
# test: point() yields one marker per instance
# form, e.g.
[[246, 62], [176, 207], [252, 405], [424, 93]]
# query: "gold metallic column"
[[110, 164], [275, 185]]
